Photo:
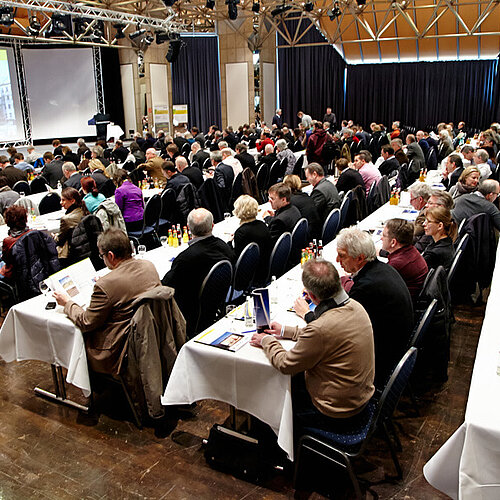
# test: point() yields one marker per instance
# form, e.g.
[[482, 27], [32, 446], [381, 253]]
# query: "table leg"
[[60, 391]]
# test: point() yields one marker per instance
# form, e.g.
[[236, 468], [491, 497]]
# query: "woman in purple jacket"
[[129, 199]]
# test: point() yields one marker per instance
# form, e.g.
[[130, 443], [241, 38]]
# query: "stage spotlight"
[[6, 16], [34, 26], [256, 7], [174, 47], [168, 3], [119, 30], [161, 37], [308, 6], [210, 4], [60, 23], [361, 2], [136, 34], [80, 24], [149, 39], [334, 13], [280, 9], [232, 9]]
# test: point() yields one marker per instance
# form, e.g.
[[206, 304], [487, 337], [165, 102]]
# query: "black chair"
[[137, 176], [167, 212], [331, 226], [279, 256], [51, 202], [148, 235], [213, 293], [459, 252], [274, 173], [186, 149], [299, 239], [108, 188], [207, 164], [423, 325], [344, 209], [298, 170], [431, 159], [340, 448], [22, 187], [235, 190], [38, 185], [244, 271], [262, 181]]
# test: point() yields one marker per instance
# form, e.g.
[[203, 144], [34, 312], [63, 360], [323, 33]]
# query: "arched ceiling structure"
[[361, 30]]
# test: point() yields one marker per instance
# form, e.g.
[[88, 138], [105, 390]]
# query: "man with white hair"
[[153, 165], [269, 157], [73, 177], [379, 288], [82, 147], [278, 119], [191, 266], [481, 162], [228, 159], [192, 173], [198, 155]]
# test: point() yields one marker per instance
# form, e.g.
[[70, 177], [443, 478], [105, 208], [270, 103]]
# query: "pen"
[[249, 331]]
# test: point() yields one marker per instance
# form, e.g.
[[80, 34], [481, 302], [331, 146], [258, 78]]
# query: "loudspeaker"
[[174, 48]]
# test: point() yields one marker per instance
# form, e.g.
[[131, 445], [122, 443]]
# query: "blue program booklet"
[[261, 309]]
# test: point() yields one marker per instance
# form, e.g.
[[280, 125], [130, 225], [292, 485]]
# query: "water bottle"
[[248, 312], [273, 291]]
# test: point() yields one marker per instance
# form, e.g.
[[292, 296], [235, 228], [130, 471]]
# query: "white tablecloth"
[[114, 131], [31, 332], [467, 466], [49, 222]]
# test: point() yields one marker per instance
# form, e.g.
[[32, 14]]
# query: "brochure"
[[261, 309], [77, 281], [229, 341]]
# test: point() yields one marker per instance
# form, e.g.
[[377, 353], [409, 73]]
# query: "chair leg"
[[393, 452], [130, 403], [395, 436], [413, 399]]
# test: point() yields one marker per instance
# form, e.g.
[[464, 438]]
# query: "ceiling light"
[[34, 26], [119, 30], [308, 6], [256, 7], [168, 3], [210, 4], [161, 37], [334, 13], [60, 23], [6, 16], [149, 39], [361, 2], [280, 9], [136, 34], [232, 9]]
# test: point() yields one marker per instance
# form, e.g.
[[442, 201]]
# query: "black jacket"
[[247, 161], [13, 175], [194, 175], [379, 288], [53, 172], [439, 253], [388, 166], [177, 182], [188, 271], [74, 181], [284, 220], [349, 179], [84, 241], [307, 209]]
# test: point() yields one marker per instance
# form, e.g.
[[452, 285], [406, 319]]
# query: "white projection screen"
[[61, 92], [11, 120]]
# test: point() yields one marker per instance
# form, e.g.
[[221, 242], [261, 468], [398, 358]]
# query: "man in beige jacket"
[[335, 351]]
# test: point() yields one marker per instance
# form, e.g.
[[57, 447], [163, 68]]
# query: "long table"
[[467, 466]]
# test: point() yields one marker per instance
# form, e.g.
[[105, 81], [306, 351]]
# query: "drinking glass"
[[44, 288], [142, 250], [164, 241]]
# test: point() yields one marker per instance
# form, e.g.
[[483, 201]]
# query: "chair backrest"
[[213, 293], [152, 211], [207, 164], [195, 164], [299, 234], [344, 208], [38, 185], [423, 325], [168, 205], [331, 226], [187, 200], [84, 241], [396, 385], [297, 170], [279, 255], [137, 176], [236, 188], [246, 266], [22, 187], [262, 177], [186, 149], [108, 188], [51, 202], [274, 173]]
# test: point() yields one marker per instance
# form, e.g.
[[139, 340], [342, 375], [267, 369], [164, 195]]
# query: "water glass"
[[142, 250], [164, 241]]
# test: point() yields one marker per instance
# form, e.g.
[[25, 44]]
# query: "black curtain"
[[310, 78], [423, 94], [196, 81], [112, 86]]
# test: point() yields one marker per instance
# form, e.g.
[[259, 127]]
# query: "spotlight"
[[161, 37], [232, 9], [59, 24], [361, 2], [136, 34], [174, 47], [168, 3], [34, 26], [308, 6], [334, 13], [6, 16], [119, 30], [81, 24], [210, 4], [149, 39], [280, 9], [256, 7]]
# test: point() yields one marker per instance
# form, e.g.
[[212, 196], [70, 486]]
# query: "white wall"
[[268, 91], [127, 78], [237, 94]]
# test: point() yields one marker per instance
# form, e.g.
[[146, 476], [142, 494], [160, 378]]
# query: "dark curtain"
[[423, 94], [310, 78], [112, 86], [196, 82]]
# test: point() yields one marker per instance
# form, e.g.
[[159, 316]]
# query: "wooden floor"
[[47, 451]]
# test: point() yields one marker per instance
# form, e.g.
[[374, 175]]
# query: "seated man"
[[222, 174], [481, 201], [349, 177], [324, 193], [153, 165], [379, 288], [397, 238], [228, 159], [368, 171], [21, 164], [104, 323], [199, 156], [52, 170], [390, 165], [269, 157], [11, 173], [245, 158], [480, 158], [193, 173], [73, 177], [191, 266], [175, 180], [419, 195], [334, 352], [453, 170], [285, 215]]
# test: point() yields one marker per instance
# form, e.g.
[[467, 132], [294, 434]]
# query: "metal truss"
[[99, 91]]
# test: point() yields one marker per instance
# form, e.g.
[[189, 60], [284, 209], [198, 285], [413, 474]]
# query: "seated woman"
[[72, 202], [16, 218], [305, 204], [129, 199], [92, 198], [443, 229], [467, 182], [252, 230]]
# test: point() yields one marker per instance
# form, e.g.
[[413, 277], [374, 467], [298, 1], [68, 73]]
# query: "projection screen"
[[11, 120], [61, 92]]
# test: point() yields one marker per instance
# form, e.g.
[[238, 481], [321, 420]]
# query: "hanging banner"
[[180, 112], [161, 118]]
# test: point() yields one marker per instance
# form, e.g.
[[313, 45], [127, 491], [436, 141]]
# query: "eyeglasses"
[[427, 221], [102, 255]]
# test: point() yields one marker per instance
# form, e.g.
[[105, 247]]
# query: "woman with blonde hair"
[[251, 230], [467, 182], [440, 225]]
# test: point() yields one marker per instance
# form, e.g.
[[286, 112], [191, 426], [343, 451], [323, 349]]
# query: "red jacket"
[[262, 144], [315, 146]]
